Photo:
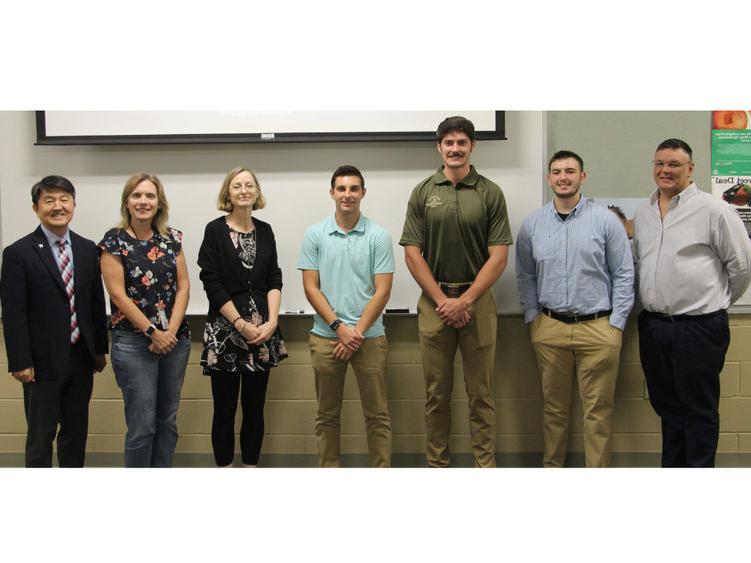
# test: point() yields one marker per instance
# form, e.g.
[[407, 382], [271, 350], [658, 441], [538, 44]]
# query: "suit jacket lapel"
[[42, 248]]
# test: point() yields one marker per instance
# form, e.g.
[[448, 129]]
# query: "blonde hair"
[[222, 201], [159, 222]]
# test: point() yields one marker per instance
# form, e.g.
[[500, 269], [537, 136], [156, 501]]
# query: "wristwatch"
[[150, 330], [335, 324]]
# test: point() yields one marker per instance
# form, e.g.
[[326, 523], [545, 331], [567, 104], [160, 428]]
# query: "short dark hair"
[[676, 144], [562, 155], [347, 170], [455, 123], [51, 183]]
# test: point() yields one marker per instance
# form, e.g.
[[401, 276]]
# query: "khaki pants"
[[438, 344], [591, 349], [369, 365]]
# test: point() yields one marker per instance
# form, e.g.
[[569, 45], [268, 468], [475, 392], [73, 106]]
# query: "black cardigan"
[[223, 275]]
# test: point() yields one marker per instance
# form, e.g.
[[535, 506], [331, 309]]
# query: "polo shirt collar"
[[469, 180], [332, 226]]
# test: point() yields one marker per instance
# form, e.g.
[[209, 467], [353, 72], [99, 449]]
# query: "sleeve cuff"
[[618, 321], [530, 315]]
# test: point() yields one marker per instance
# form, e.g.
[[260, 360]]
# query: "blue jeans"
[[151, 392]]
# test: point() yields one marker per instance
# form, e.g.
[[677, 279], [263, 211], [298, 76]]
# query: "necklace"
[[135, 235]]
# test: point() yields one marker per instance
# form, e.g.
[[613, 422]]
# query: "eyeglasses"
[[659, 164]]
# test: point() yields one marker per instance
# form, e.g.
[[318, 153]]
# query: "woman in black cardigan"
[[241, 341]]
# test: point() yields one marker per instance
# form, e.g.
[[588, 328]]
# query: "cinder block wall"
[[291, 406]]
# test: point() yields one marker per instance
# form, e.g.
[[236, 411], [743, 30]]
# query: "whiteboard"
[[153, 127]]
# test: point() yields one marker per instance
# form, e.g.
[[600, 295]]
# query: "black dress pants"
[[682, 358], [225, 388], [63, 401]]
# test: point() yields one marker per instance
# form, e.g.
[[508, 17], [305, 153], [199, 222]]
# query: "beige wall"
[[290, 406]]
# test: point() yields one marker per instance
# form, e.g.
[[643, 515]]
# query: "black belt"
[[571, 319], [672, 318], [454, 289]]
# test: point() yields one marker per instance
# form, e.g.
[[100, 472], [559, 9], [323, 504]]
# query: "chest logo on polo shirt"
[[433, 201]]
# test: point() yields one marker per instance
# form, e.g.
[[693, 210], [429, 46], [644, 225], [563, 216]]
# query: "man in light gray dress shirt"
[[693, 259], [576, 286]]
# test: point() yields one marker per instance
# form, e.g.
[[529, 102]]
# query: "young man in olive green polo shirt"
[[347, 265], [456, 237]]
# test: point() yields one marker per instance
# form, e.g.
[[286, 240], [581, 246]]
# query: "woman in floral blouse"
[[144, 270], [241, 341]]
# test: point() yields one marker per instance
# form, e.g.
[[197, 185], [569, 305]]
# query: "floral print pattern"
[[150, 268], [224, 349]]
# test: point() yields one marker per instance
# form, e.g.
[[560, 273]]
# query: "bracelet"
[[237, 319], [242, 327]]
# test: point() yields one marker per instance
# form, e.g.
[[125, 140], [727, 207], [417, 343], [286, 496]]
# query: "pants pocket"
[[534, 327], [486, 330], [428, 322]]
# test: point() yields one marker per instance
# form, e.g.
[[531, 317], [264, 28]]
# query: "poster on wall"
[[731, 161], [731, 166]]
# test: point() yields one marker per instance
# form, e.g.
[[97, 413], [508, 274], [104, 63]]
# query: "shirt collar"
[[332, 227], [469, 180], [52, 238], [682, 197], [583, 201]]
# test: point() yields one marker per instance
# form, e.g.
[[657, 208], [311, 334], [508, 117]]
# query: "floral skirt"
[[224, 349]]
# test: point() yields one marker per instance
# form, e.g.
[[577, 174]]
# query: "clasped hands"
[[257, 335], [350, 340], [162, 342], [454, 312]]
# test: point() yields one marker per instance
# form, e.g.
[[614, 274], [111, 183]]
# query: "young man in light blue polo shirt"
[[347, 265]]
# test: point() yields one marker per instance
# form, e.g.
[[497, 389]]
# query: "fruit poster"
[[731, 161]]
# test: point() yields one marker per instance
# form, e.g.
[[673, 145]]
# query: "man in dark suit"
[[55, 325]]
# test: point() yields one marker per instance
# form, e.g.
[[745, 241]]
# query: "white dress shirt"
[[695, 260]]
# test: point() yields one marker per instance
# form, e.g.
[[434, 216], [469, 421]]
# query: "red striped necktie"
[[66, 271]]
